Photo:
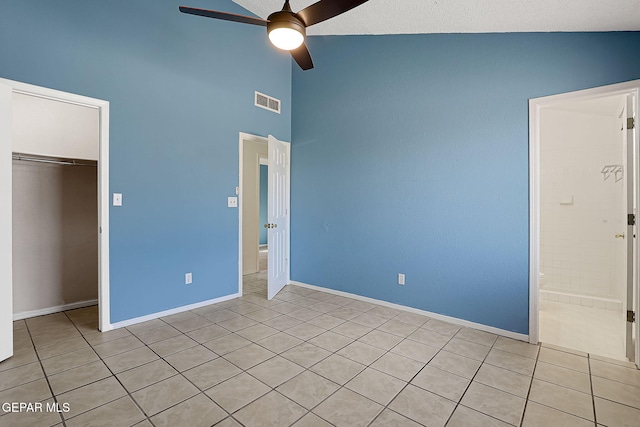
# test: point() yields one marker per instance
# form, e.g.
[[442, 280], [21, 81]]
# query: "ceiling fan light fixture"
[[285, 30], [285, 38]]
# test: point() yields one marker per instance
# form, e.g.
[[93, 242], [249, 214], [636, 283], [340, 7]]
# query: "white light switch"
[[232, 202], [117, 199]]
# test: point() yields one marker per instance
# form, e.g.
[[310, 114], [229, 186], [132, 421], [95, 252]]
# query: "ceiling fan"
[[285, 28]]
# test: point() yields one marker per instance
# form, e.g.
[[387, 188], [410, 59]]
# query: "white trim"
[[55, 309], [454, 320], [535, 106], [103, 183], [243, 137], [6, 232], [288, 192], [534, 220], [176, 310]]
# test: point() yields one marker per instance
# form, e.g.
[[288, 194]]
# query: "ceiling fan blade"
[[325, 9], [302, 57], [224, 15]]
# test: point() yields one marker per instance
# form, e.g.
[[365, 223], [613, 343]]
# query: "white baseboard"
[[176, 310], [51, 310], [454, 320]]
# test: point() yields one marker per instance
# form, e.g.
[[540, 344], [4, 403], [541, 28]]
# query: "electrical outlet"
[[400, 279], [232, 202], [117, 199], [188, 279]]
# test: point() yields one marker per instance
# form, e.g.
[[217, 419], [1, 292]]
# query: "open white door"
[[278, 216], [6, 281]]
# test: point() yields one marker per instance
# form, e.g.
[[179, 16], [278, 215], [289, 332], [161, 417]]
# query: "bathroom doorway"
[[585, 187], [264, 207]]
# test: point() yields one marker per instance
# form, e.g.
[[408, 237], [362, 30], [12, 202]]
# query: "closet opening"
[[55, 197], [51, 136]]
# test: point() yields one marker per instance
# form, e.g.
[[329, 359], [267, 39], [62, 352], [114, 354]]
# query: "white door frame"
[[263, 140], [535, 107], [102, 106]]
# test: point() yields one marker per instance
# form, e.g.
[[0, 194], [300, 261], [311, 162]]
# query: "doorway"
[[10, 91], [263, 216], [583, 186]]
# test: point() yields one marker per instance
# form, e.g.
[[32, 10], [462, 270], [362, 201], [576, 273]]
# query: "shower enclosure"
[[583, 205]]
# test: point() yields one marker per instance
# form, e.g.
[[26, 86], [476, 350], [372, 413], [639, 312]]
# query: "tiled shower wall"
[[580, 211]]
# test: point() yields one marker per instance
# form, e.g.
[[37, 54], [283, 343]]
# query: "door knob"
[[271, 226], [620, 236]]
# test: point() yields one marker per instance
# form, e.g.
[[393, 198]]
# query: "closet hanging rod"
[[71, 162]]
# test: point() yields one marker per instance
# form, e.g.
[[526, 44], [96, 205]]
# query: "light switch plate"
[[117, 199], [232, 202]]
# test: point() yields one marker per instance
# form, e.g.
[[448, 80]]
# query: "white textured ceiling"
[[468, 16]]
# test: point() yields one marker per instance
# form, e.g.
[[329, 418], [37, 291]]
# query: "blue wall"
[[264, 192], [180, 89], [410, 155]]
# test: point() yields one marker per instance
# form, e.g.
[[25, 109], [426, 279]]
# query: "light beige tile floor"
[[588, 329], [306, 358]]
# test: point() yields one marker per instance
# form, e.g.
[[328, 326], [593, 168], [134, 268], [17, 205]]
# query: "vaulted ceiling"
[[469, 16]]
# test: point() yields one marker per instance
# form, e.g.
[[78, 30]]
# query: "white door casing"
[[6, 287], [8, 87], [278, 215], [630, 89], [629, 168]]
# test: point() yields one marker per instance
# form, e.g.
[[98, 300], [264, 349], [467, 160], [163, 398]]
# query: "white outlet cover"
[[232, 202], [400, 279], [188, 278], [117, 199]]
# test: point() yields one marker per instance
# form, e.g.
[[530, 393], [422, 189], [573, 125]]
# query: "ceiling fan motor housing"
[[286, 19]]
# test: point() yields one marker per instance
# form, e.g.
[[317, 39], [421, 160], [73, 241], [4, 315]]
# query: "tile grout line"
[[407, 382], [332, 353], [533, 373], [459, 402], [412, 378], [178, 373], [369, 366], [243, 370], [341, 386], [588, 357], [46, 377], [112, 374], [273, 389], [593, 398]]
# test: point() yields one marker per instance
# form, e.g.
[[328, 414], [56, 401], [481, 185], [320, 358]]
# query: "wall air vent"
[[267, 102]]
